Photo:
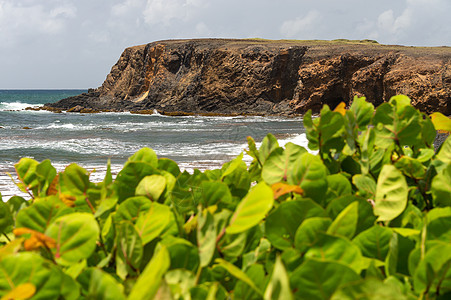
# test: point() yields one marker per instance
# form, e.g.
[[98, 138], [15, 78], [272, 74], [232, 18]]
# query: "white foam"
[[16, 105]]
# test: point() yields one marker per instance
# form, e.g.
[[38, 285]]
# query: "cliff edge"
[[268, 77]]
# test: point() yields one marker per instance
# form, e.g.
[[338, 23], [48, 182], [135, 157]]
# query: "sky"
[[74, 43]]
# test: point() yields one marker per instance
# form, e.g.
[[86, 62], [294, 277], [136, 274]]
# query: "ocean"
[[90, 140]]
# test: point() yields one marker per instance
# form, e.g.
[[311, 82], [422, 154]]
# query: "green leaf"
[[6, 219], [145, 155], [152, 223], [214, 193], [279, 284], [391, 194], [445, 151], [441, 187], [374, 242], [151, 186], [279, 165], [366, 186], [130, 176], [206, 237], [320, 279], [75, 235], [309, 231], [310, 174], [345, 224], [269, 143], [129, 250], [43, 212], [282, 223], [434, 271], [74, 180], [338, 249], [252, 209], [103, 286], [363, 111], [26, 171], [30, 268], [337, 185], [441, 122], [148, 283], [168, 165], [132, 208], [237, 273], [411, 167], [233, 165], [311, 130]]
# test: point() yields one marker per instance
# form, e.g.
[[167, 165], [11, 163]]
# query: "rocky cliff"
[[268, 77]]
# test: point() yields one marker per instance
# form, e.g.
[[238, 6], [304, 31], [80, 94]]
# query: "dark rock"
[[268, 77]]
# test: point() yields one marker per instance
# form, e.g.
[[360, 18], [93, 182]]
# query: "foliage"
[[367, 217]]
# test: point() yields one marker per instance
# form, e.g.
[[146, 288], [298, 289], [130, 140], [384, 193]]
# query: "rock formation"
[[268, 77]]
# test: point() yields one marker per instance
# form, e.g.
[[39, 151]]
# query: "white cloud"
[[302, 27], [165, 11]]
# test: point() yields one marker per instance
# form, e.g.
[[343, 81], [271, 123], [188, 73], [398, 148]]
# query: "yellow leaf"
[[22, 291], [280, 189], [441, 122], [69, 200], [11, 248], [36, 239], [52, 190], [341, 108]]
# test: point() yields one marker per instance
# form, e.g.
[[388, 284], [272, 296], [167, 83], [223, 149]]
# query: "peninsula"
[[267, 77]]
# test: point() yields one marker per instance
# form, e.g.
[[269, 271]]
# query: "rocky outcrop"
[[268, 77]]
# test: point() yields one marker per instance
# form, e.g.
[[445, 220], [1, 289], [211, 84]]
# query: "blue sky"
[[74, 43]]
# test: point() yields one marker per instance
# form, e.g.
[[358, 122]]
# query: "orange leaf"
[[281, 189], [52, 190], [22, 291], [341, 108], [36, 239]]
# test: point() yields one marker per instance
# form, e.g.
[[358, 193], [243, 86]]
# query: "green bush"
[[368, 217]]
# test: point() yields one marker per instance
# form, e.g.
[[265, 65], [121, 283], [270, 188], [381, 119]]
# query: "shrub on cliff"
[[368, 217]]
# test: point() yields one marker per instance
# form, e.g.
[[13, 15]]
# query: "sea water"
[[90, 140]]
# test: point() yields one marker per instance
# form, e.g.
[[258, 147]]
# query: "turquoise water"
[[91, 139]]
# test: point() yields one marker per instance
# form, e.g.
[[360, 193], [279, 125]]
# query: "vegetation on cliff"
[[368, 217]]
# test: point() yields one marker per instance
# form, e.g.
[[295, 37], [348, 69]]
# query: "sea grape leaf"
[[434, 271], [75, 235], [26, 171], [39, 215], [279, 284], [6, 219], [279, 164], [22, 291], [444, 153], [232, 166], [269, 143], [441, 122], [411, 167], [374, 242], [30, 268], [391, 194], [320, 279], [441, 188], [311, 131], [310, 174], [337, 185], [132, 208], [309, 231], [237, 273], [145, 155], [256, 273], [366, 186], [129, 250], [252, 209], [149, 281], [152, 223], [102, 285], [338, 249], [46, 173], [282, 223], [151, 186], [214, 193], [168, 165], [396, 261], [130, 176], [74, 180], [206, 237], [183, 254], [345, 224], [363, 111]]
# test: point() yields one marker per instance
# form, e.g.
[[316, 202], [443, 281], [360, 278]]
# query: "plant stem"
[[6, 236]]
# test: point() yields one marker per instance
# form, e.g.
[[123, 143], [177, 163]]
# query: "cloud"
[[165, 11], [302, 27]]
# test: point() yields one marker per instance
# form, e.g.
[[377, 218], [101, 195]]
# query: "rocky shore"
[[218, 76]]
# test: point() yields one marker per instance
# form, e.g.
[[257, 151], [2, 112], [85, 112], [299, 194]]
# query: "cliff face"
[[268, 77]]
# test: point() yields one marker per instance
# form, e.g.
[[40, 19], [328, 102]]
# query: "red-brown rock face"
[[269, 77]]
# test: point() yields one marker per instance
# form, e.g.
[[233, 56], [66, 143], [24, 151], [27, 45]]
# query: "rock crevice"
[[268, 77]]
